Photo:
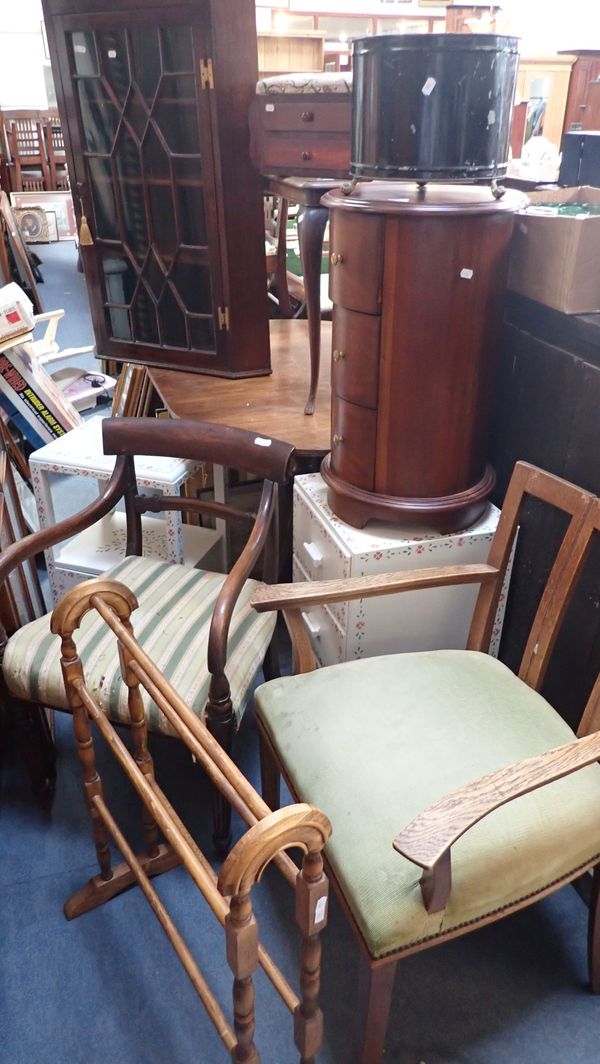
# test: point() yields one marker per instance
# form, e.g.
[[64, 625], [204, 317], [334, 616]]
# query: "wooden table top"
[[273, 405]]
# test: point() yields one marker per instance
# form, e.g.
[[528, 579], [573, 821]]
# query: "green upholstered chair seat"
[[176, 604], [372, 743]]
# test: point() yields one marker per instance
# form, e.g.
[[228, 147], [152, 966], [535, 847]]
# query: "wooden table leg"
[[311, 230]]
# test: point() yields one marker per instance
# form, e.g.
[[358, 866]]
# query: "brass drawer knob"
[[337, 438], [337, 355], [307, 116], [336, 259], [305, 156]]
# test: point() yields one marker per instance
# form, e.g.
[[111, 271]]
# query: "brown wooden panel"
[[353, 430], [305, 112], [315, 152], [355, 275], [444, 284], [355, 365], [584, 73]]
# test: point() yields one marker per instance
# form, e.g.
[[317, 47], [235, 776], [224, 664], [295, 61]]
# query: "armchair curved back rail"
[[269, 836]]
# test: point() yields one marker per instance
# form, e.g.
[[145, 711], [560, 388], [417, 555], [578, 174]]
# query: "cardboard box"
[[554, 260]]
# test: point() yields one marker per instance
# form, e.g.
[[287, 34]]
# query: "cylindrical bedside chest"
[[417, 279]]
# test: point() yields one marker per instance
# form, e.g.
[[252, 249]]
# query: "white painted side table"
[[325, 548], [79, 453]]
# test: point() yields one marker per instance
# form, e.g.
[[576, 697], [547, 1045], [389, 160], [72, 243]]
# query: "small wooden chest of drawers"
[[417, 281], [325, 548], [300, 124]]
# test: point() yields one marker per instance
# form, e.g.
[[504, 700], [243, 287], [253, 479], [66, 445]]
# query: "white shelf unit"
[[97, 549]]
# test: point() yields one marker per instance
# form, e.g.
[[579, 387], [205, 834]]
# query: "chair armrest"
[[52, 317], [31, 545], [230, 591], [318, 592], [427, 840]]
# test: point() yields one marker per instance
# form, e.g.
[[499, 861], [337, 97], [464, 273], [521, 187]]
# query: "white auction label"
[[320, 910]]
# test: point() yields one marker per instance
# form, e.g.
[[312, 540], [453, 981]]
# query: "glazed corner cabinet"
[[154, 98]]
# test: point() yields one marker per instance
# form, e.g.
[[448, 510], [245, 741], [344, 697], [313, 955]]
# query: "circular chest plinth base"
[[446, 513]]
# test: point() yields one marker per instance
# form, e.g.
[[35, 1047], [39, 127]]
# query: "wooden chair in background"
[[55, 150], [453, 787], [30, 171], [21, 602], [199, 625]]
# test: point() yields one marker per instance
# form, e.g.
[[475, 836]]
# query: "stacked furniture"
[[34, 152]]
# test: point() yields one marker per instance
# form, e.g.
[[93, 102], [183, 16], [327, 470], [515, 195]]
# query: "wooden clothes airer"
[[269, 833]]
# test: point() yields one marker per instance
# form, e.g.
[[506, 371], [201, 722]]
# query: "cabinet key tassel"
[[86, 239]]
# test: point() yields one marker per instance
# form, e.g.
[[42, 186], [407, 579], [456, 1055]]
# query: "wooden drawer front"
[[356, 260], [353, 433], [300, 152], [355, 362], [304, 113]]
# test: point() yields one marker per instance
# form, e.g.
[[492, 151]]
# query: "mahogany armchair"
[[198, 625], [456, 793]]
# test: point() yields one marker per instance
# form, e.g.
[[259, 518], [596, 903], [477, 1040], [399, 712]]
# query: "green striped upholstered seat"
[[176, 603], [373, 743]]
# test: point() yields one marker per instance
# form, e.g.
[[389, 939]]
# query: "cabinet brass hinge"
[[223, 318], [207, 80]]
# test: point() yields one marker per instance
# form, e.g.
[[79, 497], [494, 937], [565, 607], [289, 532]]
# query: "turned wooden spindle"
[[72, 670], [311, 916], [296, 825], [241, 931], [139, 735]]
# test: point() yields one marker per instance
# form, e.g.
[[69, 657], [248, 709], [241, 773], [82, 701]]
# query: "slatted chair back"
[[21, 598], [31, 172], [21, 601], [55, 149]]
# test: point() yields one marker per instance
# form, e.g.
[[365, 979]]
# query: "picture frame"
[[58, 203]]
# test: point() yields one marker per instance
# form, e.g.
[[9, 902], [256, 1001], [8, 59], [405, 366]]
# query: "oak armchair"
[[456, 793], [198, 625]]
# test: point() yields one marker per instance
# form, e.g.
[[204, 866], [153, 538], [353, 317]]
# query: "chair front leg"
[[220, 721], [594, 934], [270, 779], [376, 983], [36, 747]]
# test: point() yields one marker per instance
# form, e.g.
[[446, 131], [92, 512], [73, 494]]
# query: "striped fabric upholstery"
[[176, 603]]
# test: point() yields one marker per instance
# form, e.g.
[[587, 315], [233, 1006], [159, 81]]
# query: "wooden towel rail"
[[228, 895]]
